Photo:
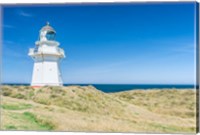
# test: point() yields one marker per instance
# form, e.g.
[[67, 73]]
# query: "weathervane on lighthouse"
[[47, 56]]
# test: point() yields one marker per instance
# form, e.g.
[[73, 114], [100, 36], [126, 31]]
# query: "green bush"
[[54, 96], [42, 101], [7, 92], [19, 96]]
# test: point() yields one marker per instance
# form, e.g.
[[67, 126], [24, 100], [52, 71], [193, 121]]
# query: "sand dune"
[[84, 108]]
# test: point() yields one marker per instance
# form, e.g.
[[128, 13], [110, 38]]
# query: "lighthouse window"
[[36, 49], [50, 35]]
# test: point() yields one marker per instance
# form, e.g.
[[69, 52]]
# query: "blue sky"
[[113, 43]]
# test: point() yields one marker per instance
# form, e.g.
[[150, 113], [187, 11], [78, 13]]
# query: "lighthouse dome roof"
[[48, 28]]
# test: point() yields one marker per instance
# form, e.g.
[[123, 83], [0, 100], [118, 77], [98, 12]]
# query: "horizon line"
[[113, 83]]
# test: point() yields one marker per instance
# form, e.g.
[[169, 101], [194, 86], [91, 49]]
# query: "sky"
[[137, 43]]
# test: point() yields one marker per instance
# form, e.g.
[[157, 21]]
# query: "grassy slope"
[[76, 108]]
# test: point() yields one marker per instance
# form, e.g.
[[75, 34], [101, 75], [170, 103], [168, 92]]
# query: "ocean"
[[108, 88]]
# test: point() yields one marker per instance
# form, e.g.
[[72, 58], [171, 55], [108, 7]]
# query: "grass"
[[10, 127], [42, 123], [179, 103], [169, 128], [16, 106], [84, 108], [26, 121]]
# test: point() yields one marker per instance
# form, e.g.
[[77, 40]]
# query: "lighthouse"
[[47, 57]]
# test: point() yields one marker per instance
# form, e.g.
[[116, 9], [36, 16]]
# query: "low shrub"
[[6, 93], [19, 96]]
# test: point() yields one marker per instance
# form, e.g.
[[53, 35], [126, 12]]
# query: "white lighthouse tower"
[[47, 56]]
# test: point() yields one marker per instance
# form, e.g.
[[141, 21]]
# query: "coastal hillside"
[[84, 108]]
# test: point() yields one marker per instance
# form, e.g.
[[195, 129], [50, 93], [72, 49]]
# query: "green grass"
[[27, 121], [42, 123], [10, 127], [16, 106]]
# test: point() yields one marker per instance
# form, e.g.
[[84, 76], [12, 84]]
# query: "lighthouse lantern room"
[[47, 56]]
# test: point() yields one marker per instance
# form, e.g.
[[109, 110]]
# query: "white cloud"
[[25, 14]]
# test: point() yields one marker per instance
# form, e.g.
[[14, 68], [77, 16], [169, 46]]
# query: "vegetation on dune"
[[74, 98], [26, 121], [16, 106], [44, 124], [84, 108], [16, 116], [20, 92], [180, 103]]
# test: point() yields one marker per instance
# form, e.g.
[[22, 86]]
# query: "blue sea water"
[[108, 88], [124, 87]]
